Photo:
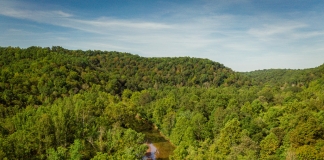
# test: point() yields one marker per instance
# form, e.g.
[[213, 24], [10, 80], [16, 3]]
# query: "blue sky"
[[244, 35]]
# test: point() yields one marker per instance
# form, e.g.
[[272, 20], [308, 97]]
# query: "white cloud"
[[269, 32], [108, 22], [12, 9], [62, 14]]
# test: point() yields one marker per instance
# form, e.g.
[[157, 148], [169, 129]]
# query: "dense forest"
[[72, 104]]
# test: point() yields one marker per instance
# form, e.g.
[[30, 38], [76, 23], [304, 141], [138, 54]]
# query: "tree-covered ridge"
[[286, 76], [36, 75], [72, 104]]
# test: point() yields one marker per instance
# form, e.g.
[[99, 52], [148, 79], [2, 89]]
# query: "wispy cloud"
[[14, 9], [61, 18], [109, 22], [269, 30]]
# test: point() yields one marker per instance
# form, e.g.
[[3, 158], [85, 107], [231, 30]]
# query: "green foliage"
[[58, 154], [229, 136], [269, 145], [71, 104], [75, 150]]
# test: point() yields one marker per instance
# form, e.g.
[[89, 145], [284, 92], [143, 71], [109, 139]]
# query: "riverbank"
[[159, 147], [150, 152], [165, 137]]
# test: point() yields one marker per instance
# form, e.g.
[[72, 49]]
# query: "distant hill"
[[285, 76]]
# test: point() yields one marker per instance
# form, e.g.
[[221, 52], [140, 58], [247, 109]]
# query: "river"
[[159, 147]]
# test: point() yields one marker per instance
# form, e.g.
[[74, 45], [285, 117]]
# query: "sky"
[[244, 35]]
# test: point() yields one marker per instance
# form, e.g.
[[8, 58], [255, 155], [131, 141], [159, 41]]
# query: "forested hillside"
[[285, 76], [37, 75], [71, 104]]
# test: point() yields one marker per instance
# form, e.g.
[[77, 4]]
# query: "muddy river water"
[[159, 147]]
